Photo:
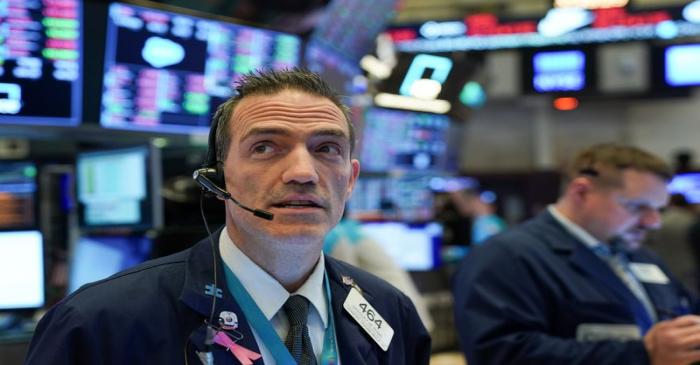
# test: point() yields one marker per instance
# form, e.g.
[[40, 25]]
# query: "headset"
[[210, 177]]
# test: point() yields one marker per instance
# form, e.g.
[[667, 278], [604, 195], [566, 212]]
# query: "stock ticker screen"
[[18, 188], [40, 61], [167, 72]]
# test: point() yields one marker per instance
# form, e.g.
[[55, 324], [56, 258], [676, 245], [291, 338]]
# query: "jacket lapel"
[[354, 346], [586, 261], [197, 293]]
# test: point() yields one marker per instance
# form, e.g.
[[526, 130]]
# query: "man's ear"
[[355, 165], [579, 188]]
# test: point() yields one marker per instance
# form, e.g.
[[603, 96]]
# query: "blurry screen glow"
[[688, 185], [559, 21], [96, 258], [559, 71], [565, 104], [21, 270], [691, 12], [682, 65], [439, 68], [18, 195], [413, 247]]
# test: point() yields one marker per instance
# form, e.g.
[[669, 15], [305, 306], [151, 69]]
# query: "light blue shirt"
[[270, 296]]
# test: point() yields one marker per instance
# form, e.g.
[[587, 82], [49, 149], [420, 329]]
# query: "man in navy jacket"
[[283, 146], [573, 285]]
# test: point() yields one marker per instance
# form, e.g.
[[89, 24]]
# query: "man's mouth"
[[297, 204]]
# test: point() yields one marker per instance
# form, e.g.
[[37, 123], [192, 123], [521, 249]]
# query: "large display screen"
[[168, 72], [404, 140], [119, 188], [18, 191], [40, 62], [21, 270], [96, 258]]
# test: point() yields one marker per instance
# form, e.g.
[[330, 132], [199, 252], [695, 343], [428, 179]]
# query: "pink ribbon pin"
[[244, 356]]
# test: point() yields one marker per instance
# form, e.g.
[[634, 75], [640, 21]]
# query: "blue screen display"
[[681, 65], [167, 72], [96, 258], [559, 71], [40, 62]]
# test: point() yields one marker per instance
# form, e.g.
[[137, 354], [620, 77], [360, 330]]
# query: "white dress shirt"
[[270, 296]]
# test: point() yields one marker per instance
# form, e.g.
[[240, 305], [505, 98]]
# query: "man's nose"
[[650, 218], [301, 167]]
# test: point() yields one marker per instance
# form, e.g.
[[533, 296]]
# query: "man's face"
[[289, 155], [628, 211]]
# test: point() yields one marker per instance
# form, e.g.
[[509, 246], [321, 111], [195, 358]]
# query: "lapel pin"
[[228, 320]]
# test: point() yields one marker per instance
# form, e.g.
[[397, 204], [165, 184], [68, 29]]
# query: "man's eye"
[[330, 148], [262, 148]]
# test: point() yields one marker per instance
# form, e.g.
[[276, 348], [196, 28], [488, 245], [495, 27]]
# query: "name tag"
[[586, 332], [368, 318], [648, 273]]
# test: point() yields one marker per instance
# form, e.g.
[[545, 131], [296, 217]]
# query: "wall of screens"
[[167, 72], [40, 62]]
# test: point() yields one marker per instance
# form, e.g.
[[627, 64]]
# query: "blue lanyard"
[[267, 333]]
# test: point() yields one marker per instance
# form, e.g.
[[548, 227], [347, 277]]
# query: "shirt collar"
[[573, 228], [265, 290]]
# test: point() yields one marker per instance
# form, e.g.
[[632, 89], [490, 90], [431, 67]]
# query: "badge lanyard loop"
[[266, 332]]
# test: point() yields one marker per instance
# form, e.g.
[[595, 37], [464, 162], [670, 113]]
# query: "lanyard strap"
[[267, 333]]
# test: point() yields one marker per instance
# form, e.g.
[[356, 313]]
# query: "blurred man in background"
[[573, 285]]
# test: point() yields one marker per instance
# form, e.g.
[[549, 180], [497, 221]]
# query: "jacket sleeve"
[[61, 337], [503, 316]]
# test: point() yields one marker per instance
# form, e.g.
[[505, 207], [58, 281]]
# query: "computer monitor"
[[167, 72], [94, 258], [559, 71], [40, 72], [687, 184], [681, 65], [21, 270], [415, 247], [404, 140], [119, 188], [18, 192], [408, 198]]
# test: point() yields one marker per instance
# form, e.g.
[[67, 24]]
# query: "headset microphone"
[[203, 177]]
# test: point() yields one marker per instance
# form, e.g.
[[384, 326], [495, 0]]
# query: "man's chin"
[[633, 241]]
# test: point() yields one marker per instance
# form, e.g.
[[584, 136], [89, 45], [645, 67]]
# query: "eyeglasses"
[[636, 207]]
